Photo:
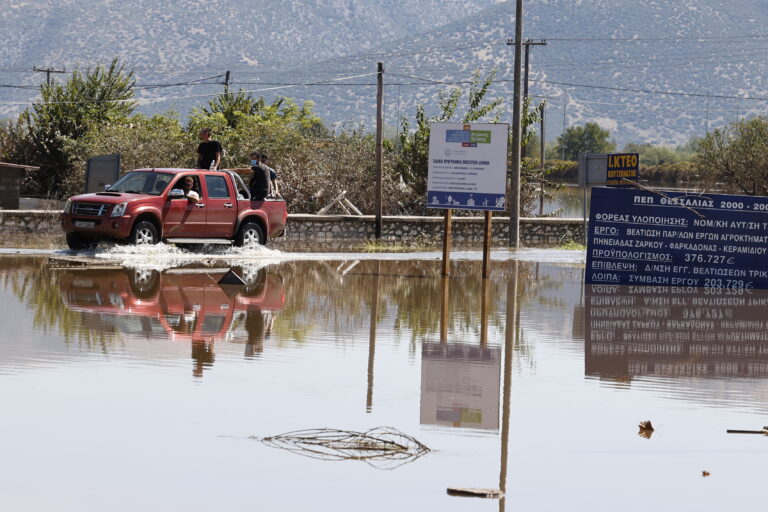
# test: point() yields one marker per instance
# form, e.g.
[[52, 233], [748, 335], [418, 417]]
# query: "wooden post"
[[447, 236], [379, 144], [487, 244]]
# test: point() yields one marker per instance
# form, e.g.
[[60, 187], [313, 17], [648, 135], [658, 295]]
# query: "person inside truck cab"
[[188, 186]]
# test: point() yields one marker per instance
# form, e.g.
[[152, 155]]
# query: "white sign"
[[467, 166]]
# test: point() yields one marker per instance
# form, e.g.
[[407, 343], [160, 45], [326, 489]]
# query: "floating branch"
[[380, 447]]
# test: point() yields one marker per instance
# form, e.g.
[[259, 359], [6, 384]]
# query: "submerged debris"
[[764, 431], [475, 493], [646, 429], [380, 447]]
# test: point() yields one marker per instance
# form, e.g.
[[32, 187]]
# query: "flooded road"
[[150, 387]]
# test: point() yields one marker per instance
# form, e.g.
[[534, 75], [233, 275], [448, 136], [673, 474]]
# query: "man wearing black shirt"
[[260, 183], [208, 151]]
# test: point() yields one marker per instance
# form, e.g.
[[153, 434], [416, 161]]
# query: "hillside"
[[702, 49]]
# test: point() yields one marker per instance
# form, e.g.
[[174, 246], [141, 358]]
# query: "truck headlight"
[[118, 210], [68, 206]]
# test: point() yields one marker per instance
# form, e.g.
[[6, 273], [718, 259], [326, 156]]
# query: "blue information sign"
[[641, 237]]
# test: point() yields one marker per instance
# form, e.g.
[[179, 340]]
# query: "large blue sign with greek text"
[[644, 237]]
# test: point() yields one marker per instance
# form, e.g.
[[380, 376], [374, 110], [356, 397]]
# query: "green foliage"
[[239, 107], [590, 138], [275, 129], [736, 157], [65, 112], [157, 141], [413, 159], [660, 155]]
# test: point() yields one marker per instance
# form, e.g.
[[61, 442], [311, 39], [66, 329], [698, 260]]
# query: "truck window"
[[217, 187]]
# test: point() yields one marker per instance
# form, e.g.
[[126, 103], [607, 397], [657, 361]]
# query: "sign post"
[[467, 171]]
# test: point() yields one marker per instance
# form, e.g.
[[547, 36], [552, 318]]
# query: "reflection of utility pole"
[[372, 336], [510, 337], [48, 72]]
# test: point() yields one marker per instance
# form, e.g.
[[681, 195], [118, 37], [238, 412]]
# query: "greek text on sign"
[[467, 166], [622, 166], [640, 237]]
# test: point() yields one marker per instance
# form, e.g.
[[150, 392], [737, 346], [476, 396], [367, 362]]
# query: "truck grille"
[[94, 209]]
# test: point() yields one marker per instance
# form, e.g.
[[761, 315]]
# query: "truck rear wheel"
[[144, 233], [250, 234]]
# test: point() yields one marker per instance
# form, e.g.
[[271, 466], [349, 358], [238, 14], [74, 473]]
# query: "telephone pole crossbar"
[[48, 72]]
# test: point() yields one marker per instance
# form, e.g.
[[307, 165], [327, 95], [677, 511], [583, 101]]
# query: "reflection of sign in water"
[[460, 385], [671, 238], [670, 331], [467, 166]]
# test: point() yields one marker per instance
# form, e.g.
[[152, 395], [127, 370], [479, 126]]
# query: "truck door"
[[221, 205], [181, 217]]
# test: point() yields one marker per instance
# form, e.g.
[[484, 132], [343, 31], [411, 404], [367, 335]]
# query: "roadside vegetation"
[[94, 113]]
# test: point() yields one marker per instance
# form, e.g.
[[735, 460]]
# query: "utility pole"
[[528, 43], [514, 203], [565, 122], [226, 83], [707, 113], [379, 143], [541, 158], [48, 72]]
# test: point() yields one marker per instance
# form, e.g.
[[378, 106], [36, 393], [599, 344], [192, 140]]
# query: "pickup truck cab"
[[146, 206]]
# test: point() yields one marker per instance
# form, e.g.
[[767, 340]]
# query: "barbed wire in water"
[[380, 447]]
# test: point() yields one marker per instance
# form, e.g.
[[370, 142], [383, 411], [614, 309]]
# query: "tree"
[[736, 157], [590, 138], [414, 154], [87, 101], [236, 107]]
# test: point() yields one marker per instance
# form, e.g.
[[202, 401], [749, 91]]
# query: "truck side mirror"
[[176, 193]]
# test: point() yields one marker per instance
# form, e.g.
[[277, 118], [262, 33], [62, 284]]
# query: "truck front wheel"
[[250, 234], [144, 233], [78, 242]]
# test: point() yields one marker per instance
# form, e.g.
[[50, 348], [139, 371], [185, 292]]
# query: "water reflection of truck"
[[187, 306]]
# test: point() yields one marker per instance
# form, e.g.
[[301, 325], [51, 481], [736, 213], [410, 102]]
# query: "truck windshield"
[[142, 182]]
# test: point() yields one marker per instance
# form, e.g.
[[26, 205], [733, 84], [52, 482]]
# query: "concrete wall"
[[534, 232]]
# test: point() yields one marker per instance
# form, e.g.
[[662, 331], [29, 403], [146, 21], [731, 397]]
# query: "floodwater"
[[140, 383]]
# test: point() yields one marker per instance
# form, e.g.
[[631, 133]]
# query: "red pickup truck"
[[149, 205]]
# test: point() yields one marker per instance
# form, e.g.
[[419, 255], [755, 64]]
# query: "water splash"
[[163, 256]]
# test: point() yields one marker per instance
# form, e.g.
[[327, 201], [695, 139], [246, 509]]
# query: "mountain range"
[[649, 71]]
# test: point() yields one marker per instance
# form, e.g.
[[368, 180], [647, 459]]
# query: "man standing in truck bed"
[[260, 184], [208, 151]]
